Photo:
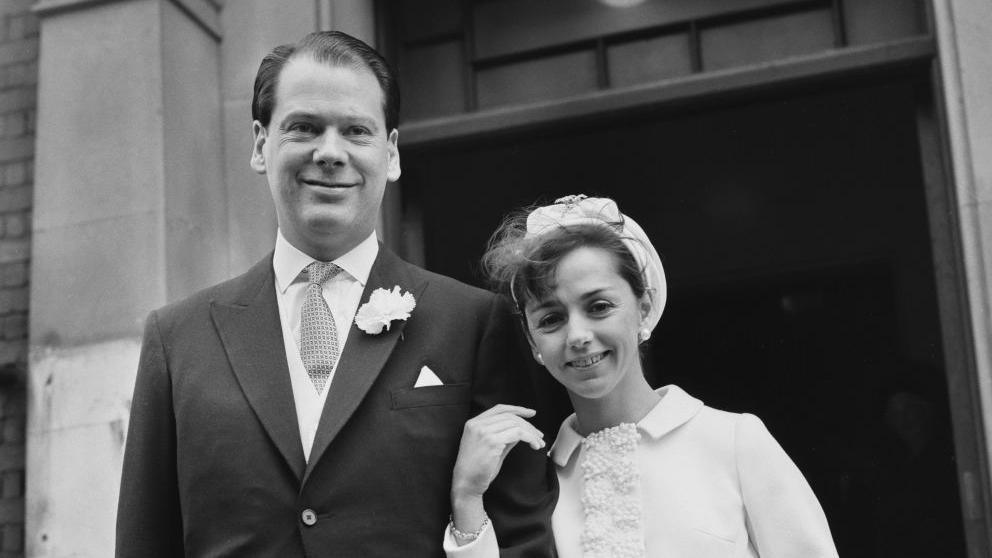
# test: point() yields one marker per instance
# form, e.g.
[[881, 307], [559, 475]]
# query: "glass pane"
[[764, 40], [517, 25], [431, 81], [429, 18], [648, 60], [873, 21], [537, 80]]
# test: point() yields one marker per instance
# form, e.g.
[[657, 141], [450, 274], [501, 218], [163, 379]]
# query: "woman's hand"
[[486, 440]]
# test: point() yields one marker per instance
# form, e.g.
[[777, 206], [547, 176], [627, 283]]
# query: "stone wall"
[[18, 99]]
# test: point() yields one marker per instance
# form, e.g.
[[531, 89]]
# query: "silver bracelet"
[[471, 536]]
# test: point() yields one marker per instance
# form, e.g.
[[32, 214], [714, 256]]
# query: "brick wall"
[[18, 99]]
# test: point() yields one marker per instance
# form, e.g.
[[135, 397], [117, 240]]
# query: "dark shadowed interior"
[[794, 230]]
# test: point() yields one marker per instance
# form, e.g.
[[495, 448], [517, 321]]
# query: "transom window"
[[463, 56]]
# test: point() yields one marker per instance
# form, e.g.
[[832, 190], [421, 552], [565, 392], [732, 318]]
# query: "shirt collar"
[[288, 261], [675, 409]]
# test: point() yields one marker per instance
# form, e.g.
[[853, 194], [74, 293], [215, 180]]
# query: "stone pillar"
[[252, 29], [354, 17], [129, 214], [963, 31]]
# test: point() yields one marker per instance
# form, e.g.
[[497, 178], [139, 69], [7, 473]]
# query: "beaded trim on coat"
[[610, 495]]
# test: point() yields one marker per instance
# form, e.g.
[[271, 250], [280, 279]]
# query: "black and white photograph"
[[496, 278]]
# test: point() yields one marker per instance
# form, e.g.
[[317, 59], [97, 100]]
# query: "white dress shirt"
[[343, 294], [712, 484]]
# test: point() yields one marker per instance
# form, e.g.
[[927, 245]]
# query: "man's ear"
[[393, 169], [259, 136]]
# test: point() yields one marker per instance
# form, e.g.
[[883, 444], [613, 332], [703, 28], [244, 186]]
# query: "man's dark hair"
[[333, 48]]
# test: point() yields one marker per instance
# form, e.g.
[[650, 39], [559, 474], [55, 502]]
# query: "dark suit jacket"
[[214, 464]]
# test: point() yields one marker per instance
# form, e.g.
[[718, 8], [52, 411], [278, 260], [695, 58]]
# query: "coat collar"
[[675, 409], [247, 321]]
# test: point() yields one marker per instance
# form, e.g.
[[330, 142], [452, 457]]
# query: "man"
[[265, 422]]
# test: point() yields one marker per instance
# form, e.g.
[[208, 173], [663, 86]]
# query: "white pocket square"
[[426, 378]]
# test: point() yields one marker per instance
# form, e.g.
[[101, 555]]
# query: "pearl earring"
[[643, 334], [539, 359]]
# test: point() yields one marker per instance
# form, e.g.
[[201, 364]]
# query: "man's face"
[[327, 155]]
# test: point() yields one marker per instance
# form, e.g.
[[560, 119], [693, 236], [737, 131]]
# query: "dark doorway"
[[815, 354], [794, 232]]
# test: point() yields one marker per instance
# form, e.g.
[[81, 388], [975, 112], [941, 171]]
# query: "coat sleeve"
[[522, 497], [149, 524], [486, 546], [784, 518]]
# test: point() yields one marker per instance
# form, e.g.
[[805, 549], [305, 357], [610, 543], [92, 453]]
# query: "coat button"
[[309, 517]]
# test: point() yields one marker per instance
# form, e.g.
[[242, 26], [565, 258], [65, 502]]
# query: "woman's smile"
[[586, 362]]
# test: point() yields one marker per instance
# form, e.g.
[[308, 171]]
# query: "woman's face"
[[585, 330]]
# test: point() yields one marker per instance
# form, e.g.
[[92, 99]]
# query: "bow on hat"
[[582, 210]]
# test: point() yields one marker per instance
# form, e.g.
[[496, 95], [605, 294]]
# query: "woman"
[[642, 472]]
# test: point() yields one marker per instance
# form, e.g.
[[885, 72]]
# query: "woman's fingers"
[[501, 408], [513, 429], [527, 434], [504, 427]]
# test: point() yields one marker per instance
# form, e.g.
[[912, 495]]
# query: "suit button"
[[309, 517]]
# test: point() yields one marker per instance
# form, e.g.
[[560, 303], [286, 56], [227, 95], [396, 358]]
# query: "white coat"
[[712, 484]]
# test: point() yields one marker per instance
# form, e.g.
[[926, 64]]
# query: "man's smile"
[[326, 183]]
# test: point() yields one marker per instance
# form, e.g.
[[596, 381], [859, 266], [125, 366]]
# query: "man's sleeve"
[[149, 524], [522, 497]]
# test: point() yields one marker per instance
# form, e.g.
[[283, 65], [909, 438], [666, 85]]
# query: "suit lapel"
[[250, 330], [364, 355]]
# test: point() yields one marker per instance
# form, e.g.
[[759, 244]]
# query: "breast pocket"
[[431, 396]]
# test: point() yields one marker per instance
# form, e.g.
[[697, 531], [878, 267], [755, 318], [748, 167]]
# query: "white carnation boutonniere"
[[382, 308]]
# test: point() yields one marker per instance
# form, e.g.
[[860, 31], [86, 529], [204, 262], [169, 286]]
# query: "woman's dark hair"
[[523, 268], [335, 49]]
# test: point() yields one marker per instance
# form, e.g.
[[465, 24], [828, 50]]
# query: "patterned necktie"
[[319, 335]]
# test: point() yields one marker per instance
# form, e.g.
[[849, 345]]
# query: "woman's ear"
[[533, 348], [645, 305], [530, 341], [538, 358], [644, 333]]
